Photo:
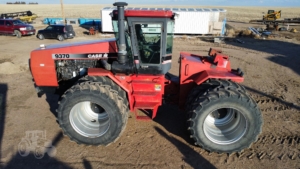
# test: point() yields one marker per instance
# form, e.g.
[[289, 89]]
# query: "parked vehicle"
[[15, 27], [59, 32]]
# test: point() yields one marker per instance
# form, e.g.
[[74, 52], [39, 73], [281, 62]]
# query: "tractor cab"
[[271, 11], [148, 38]]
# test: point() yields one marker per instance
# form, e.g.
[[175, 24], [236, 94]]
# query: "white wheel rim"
[[88, 121], [225, 126]]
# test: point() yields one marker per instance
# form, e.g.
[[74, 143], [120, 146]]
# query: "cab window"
[[8, 23], [149, 42], [49, 28]]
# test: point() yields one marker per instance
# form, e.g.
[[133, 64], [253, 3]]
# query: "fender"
[[196, 69], [120, 79], [201, 77]]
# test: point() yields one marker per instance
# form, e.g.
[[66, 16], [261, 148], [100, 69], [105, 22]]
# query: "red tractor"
[[100, 81]]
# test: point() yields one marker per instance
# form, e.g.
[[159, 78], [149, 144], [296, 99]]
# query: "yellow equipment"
[[25, 16], [272, 15], [28, 19]]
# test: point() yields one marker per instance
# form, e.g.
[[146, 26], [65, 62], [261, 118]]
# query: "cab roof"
[[147, 13]]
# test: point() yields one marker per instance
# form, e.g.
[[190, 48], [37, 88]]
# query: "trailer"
[[277, 22], [188, 21]]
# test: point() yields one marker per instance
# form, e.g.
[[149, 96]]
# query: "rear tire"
[[39, 152], [41, 36], [60, 38], [90, 114], [209, 85], [18, 34], [225, 121]]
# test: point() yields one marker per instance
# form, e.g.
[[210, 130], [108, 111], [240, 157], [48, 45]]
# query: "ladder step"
[[145, 105], [144, 93], [145, 118]]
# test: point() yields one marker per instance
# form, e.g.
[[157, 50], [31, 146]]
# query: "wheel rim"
[[89, 119], [39, 153], [22, 148], [225, 126], [60, 38], [40, 36]]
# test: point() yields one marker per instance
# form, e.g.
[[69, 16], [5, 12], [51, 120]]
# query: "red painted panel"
[[146, 13], [195, 69], [43, 68], [149, 14], [100, 47]]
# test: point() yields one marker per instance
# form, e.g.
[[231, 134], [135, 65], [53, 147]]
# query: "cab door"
[[149, 43], [48, 32], [2, 28], [148, 37], [9, 27]]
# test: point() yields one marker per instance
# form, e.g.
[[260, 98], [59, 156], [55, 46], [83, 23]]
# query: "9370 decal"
[[61, 56]]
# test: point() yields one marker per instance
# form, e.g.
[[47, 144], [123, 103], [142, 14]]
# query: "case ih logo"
[[100, 55]]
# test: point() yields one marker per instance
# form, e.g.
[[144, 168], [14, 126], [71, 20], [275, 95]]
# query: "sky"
[[265, 3]]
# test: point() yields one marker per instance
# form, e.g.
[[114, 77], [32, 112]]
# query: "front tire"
[[24, 148], [18, 34], [225, 121], [90, 114], [209, 85]]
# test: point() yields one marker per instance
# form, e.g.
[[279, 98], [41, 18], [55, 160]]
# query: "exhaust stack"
[[122, 65], [122, 53]]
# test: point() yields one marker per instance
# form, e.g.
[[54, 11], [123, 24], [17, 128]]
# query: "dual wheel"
[[222, 117], [93, 113]]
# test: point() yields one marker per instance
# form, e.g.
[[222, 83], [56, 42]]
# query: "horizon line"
[[155, 5]]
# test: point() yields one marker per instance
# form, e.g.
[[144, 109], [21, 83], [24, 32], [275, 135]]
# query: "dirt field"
[[271, 70]]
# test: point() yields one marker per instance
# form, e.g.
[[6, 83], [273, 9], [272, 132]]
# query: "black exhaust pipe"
[[122, 65], [122, 53]]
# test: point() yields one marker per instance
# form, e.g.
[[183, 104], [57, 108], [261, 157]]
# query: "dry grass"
[[243, 14]]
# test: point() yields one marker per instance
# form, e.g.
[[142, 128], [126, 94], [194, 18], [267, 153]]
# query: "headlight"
[[22, 29]]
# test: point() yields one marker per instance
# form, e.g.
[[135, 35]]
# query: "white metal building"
[[190, 20]]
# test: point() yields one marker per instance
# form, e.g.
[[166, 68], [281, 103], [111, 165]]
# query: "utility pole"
[[62, 10]]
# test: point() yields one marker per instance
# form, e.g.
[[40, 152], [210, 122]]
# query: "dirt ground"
[[271, 70]]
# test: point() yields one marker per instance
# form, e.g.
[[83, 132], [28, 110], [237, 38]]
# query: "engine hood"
[[94, 46], [22, 25], [42, 63]]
